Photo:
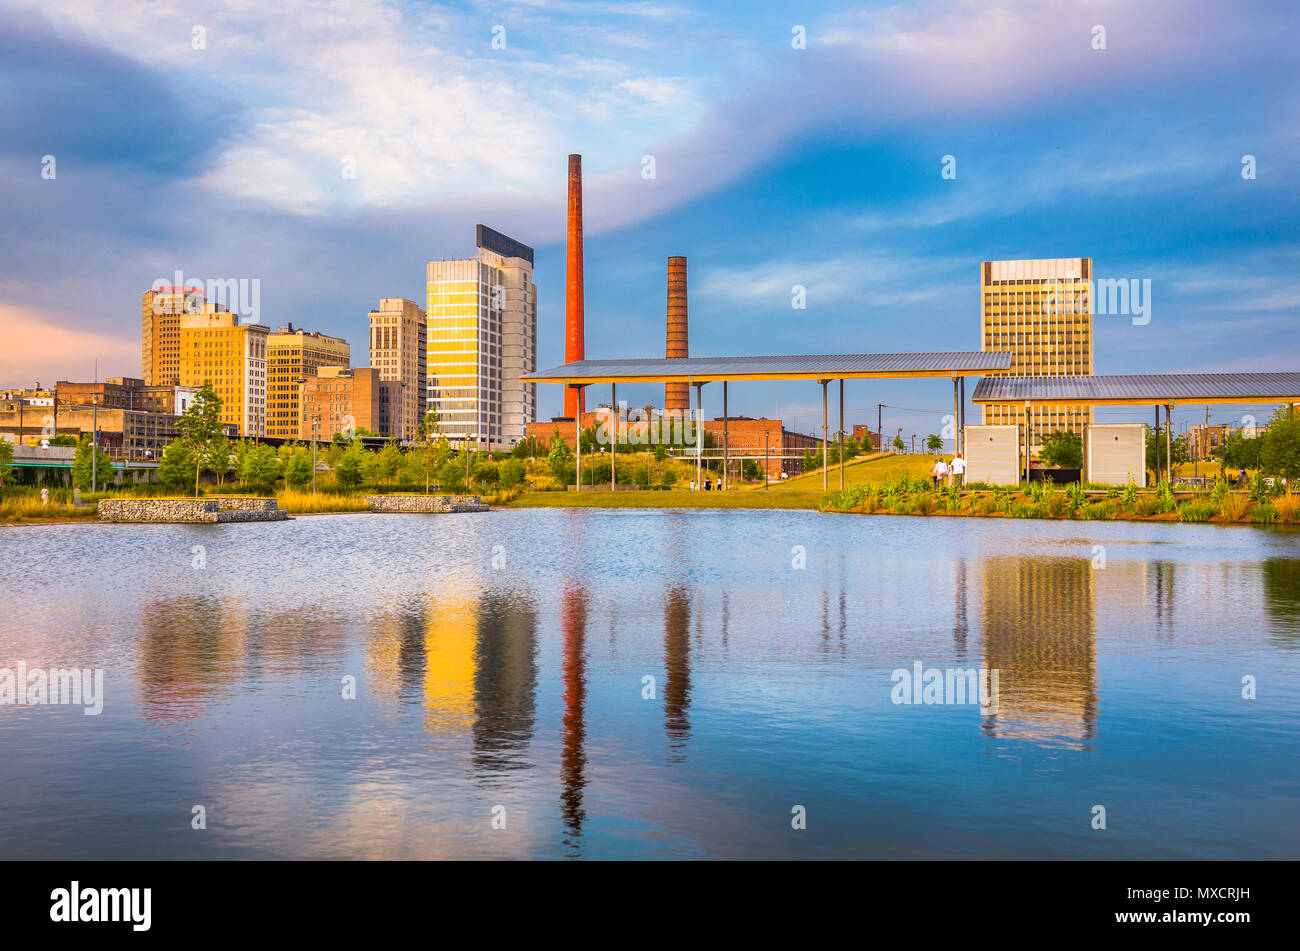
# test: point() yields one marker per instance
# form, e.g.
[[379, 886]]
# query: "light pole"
[[94, 447]]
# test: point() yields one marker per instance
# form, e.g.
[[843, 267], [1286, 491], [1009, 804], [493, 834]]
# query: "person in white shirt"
[[957, 471], [939, 472]]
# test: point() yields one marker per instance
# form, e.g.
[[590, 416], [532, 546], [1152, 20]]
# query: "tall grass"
[[308, 502], [1195, 511], [23, 507], [1288, 509], [1233, 508]]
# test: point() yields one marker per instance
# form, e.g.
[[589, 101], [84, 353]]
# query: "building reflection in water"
[[450, 658], [1282, 598], [1039, 633], [677, 669], [505, 683], [1163, 582], [960, 626], [574, 608], [395, 651], [191, 651]]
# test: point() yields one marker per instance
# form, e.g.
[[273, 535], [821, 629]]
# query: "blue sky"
[[774, 166]]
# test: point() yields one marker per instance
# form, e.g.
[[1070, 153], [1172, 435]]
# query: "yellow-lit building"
[[217, 347], [397, 351], [1041, 311], [161, 309], [482, 317], [293, 354]]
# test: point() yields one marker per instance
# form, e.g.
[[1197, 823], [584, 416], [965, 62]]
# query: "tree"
[[933, 443], [199, 425], [431, 449], [1063, 448], [486, 473], [1280, 453], [176, 465], [216, 458], [6, 461], [351, 469], [512, 473], [86, 455], [450, 475], [388, 461], [1156, 451], [297, 471], [560, 458], [669, 478], [899, 445], [261, 468]]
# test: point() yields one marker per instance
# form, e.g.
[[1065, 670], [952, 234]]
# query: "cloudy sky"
[[212, 138]]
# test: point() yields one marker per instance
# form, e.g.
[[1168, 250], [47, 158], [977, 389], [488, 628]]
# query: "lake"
[[654, 684]]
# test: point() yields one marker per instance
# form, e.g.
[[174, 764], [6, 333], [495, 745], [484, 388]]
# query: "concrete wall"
[[992, 454], [1115, 453]]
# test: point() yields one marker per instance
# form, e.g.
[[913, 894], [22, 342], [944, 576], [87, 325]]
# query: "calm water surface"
[[501, 660]]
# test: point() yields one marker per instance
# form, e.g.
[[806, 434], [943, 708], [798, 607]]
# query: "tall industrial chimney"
[[574, 347], [677, 395]]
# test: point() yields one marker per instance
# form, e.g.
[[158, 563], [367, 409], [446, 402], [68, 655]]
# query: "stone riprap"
[[199, 511], [425, 503]]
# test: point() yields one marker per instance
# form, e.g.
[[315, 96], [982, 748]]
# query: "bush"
[[1196, 511], [511, 473], [1264, 513], [925, 504], [1234, 507], [1146, 505], [1288, 509], [1097, 511]]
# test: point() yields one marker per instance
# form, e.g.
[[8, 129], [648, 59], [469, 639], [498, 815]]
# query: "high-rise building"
[[397, 351], [1041, 311], [216, 346], [338, 397], [293, 354], [160, 330], [482, 340]]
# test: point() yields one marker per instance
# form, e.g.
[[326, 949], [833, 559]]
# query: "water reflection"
[[506, 680], [677, 669], [573, 756], [1039, 631], [191, 650], [1282, 598]]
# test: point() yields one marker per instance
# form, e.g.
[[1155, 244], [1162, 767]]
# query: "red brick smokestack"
[[574, 347], [677, 395]]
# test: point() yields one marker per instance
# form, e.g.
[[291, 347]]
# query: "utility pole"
[[880, 432], [766, 479]]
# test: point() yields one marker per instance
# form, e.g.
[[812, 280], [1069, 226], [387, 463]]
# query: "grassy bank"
[[673, 499], [911, 496]]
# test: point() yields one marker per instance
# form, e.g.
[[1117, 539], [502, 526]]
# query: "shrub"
[[1097, 511], [903, 507], [1165, 497], [1054, 504], [1196, 511], [1288, 509], [1264, 513], [1129, 495], [1234, 507], [1146, 505], [925, 503]]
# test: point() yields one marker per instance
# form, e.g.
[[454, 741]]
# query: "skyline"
[[833, 185]]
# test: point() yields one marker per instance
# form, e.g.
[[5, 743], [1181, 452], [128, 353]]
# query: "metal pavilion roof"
[[835, 366], [1144, 389]]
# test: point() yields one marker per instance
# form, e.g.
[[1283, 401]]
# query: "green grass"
[[673, 499], [871, 469]]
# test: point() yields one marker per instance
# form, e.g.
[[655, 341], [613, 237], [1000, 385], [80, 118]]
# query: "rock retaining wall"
[[198, 511], [425, 503]]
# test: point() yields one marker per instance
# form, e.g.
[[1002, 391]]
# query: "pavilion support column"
[[826, 447], [1169, 442], [726, 470], [1157, 444], [699, 435], [841, 435], [956, 415], [577, 447], [613, 446], [961, 419]]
